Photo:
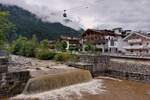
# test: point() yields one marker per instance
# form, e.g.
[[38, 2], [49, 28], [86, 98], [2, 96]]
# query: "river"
[[101, 88]]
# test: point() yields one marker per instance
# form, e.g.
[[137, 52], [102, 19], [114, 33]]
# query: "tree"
[[18, 46], [25, 47], [44, 44], [89, 46], [61, 45], [34, 41], [5, 27]]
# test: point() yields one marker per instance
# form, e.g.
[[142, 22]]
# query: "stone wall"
[[3, 69], [3, 65], [131, 71], [130, 67], [11, 83], [102, 65], [99, 63], [128, 75]]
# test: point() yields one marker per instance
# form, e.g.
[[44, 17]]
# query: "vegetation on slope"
[[5, 27], [28, 24]]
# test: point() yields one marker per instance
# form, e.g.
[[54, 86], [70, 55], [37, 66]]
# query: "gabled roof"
[[69, 38], [138, 33], [102, 32]]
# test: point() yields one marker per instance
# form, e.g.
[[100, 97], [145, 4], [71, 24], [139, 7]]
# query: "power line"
[[64, 11]]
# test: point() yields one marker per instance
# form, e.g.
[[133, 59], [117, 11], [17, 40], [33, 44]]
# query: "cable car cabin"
[[64, 14]]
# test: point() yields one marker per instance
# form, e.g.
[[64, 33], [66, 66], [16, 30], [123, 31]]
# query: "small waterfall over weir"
[[50, 82]]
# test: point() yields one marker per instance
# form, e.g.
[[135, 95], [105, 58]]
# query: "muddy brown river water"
[[111, 89], [122, 90]]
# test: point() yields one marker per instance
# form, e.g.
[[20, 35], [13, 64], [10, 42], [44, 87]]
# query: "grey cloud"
[[129, 14]]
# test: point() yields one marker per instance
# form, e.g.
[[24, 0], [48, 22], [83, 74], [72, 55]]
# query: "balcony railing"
[[135, 41], [137, 47]]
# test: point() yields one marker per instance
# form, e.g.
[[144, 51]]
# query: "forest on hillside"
[[28, 24]]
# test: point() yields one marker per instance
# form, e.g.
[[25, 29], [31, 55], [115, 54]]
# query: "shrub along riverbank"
[[32, 48]]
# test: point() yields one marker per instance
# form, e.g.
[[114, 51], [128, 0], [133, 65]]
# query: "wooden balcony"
[[137, 47], [135, 41]]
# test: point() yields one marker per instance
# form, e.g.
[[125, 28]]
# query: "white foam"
[[149, 92], [94, 87]]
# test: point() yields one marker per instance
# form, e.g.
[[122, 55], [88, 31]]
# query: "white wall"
[[121, 44]]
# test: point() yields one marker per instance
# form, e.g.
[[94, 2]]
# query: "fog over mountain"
[[129, 14]]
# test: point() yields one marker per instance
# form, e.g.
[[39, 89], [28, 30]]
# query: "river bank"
[[100, 88], [37, 67]]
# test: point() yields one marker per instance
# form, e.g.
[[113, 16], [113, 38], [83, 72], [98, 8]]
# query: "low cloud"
[[129, 14]]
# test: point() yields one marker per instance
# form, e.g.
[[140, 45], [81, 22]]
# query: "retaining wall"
[[131, 71], [102, 65], [128, 76], [99, 62], [11, 83]]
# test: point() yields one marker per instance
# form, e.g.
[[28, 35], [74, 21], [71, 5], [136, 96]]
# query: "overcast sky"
[[129, 14]]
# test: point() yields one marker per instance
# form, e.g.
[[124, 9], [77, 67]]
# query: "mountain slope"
[[28, 24]]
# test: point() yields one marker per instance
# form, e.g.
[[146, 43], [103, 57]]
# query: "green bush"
[[29, 50], [6, 27], [24, 47], [44, 44], [63, 56], [89, 46], [61, 45], [44, 54]]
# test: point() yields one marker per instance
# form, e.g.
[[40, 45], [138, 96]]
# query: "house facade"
[[137, 43], [72, 43], [105, 41]]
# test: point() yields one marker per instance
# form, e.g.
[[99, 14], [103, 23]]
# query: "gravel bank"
[[37, 67]]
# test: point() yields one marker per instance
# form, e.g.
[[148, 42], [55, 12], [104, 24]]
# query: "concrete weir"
[[50, 82]]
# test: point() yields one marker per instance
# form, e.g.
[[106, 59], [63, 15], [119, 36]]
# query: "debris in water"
[[93, 87]]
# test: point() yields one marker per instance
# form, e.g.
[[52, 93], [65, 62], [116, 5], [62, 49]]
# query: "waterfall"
[[50, 82]]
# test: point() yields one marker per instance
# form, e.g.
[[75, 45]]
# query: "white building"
[[137, 44], [106, 41]]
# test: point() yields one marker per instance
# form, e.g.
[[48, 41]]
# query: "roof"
[[69, 38], [102, 32], [119, 28], [138, 33]]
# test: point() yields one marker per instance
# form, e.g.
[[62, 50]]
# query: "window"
[[147, 43], [116, 49], [106, 50], [112, 43], [131, 51], [147, 51], [140, 43]]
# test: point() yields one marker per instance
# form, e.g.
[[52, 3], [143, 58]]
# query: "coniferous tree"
[[5, 27]]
